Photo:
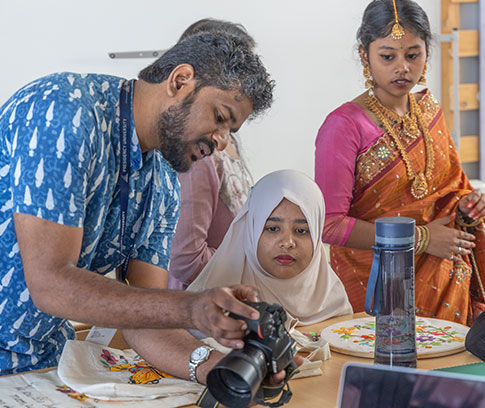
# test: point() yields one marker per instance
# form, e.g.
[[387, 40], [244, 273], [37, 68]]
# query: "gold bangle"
[[424, 241], [426, 237], [418, 239]]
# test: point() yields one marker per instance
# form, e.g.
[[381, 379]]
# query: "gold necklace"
[[419, 187], [408, 122]]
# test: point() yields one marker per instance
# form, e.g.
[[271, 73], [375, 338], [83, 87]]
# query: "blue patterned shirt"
[[60, 161]]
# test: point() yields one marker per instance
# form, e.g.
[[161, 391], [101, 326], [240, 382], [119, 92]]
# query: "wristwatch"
[[197, 357]]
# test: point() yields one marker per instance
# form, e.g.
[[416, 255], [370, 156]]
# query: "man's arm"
[[169, 350], [58, 287]]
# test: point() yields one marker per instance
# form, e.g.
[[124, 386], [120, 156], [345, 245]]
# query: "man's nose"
[[220, 139]]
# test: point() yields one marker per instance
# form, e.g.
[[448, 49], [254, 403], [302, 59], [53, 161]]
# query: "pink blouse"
[[212, 193], [346, 133], [203, 222]]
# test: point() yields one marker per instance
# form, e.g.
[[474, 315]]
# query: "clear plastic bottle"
[[392, 283]]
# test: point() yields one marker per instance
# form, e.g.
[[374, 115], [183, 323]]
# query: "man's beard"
[[171, 132]]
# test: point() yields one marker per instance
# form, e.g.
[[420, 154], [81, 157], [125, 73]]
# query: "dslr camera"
[[268, 349]]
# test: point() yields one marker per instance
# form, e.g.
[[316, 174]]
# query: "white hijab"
[[313, 295]]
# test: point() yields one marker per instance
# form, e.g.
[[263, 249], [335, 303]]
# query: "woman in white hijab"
[[275, 244]]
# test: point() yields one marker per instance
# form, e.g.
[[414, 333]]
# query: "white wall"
[[307, 45]]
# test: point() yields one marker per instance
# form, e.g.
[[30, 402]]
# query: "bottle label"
[[395, 335]]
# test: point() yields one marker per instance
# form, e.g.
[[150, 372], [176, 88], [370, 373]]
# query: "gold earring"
[[369, 82], [422, 79]]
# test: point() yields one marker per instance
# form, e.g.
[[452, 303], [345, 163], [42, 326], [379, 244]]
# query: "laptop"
[[379, 386]]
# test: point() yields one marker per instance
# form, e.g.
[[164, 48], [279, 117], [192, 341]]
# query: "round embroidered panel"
[[434, 337]]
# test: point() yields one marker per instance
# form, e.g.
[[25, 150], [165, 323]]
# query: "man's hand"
[[278, 378], [208, 313]]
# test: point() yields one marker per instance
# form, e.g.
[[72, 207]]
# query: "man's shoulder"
[[67, 87], [168, 179]]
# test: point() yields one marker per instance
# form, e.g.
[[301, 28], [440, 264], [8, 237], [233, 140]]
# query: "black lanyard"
[[124, 178]]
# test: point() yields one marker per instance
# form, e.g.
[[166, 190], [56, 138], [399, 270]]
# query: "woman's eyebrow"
[[297, 220], [274, 219], [386, 47]]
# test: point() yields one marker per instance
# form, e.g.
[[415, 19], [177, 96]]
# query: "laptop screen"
[[376, 386]]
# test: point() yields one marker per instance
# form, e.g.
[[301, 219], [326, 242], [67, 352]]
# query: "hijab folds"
[[316, 293]]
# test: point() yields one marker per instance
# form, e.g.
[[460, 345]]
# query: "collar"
[[136, 159]]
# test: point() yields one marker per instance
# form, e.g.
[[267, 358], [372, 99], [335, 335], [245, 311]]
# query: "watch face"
[[199, 354]]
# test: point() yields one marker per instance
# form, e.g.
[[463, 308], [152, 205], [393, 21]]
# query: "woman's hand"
[[446, 242], [473, 205]]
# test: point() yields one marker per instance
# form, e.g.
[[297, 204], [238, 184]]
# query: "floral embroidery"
[[427, 336], [383, 153], [74, 394], [462, 271], [108, 357], [424, 338], [142, 372], [345, 331]]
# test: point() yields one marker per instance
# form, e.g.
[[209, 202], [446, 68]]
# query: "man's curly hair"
[[220, 60]]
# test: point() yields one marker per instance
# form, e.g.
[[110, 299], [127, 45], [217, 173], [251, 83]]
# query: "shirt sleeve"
[[50, 158], [337, 147], [199, 193]]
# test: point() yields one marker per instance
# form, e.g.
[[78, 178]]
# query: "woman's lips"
[[285, 259], [402, 83]]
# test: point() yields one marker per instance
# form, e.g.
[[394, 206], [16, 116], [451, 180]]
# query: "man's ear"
[[181, 80], [363, 55]]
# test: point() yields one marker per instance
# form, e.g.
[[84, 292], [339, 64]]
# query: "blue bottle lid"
[[396, 231]]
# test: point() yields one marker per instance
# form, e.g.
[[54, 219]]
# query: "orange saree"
[[382, 189]]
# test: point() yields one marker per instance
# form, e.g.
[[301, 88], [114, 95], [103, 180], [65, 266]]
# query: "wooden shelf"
[[468, 97], [469, 149], [468, 43], [468, 46]]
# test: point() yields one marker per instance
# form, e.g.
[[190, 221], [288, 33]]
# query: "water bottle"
[[391, 285]]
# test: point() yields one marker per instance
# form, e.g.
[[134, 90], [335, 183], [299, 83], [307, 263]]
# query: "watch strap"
[[194, 364]]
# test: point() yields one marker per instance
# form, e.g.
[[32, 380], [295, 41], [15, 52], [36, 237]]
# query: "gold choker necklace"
[[419, 187], [408, 123]]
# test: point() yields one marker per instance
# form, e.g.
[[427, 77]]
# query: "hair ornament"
[[397, 30]]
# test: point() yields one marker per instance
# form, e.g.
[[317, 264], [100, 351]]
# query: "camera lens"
[[236, 378], [233, 381]]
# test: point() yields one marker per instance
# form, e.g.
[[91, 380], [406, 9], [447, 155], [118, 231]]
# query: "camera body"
[[270, 335], [268, 350]]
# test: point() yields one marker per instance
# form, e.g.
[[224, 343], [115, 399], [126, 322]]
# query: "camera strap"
[[207, 400], [263, 395]]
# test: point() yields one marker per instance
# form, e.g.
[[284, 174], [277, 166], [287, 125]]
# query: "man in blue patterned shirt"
[[66, 188]]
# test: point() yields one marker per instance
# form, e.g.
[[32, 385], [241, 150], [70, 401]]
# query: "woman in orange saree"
[[385, 155]]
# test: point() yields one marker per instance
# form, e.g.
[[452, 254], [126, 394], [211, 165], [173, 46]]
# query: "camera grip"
[[253, 325]]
